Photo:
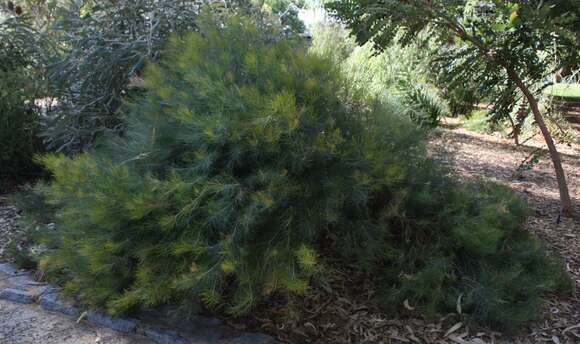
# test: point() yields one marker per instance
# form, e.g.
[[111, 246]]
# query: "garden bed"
[[346, 314]]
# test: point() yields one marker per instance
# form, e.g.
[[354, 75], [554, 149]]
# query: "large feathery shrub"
[[248, 164]]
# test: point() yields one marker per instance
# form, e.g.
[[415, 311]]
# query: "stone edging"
[[19, 286]]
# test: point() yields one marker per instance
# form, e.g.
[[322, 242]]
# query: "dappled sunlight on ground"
[[493, 158]]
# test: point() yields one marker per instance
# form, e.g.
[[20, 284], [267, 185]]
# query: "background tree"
[[398, 76], [21, 65], [510, 45], [103, 46], [286, 11], [566, 13]]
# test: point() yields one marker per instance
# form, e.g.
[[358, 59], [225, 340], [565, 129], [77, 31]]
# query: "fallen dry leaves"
[[347, 314]]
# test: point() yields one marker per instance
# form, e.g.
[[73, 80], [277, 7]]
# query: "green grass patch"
[[478, 121], [564, 90]]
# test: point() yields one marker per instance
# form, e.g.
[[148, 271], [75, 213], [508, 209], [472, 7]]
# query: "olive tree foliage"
[[20, 85], [40, 13], [510, 47], [103, 45]]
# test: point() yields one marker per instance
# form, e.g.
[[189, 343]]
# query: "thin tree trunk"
[[565, 200], [515, 131], [554, 155]]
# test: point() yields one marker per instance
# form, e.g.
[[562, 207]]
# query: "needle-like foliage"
[[248, 164]]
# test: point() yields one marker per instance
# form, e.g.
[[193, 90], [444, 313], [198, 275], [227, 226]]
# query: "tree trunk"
[[554, 155], [515, 131], [565, 200]]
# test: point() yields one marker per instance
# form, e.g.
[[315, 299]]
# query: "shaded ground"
[[345, 314], [10, 234]]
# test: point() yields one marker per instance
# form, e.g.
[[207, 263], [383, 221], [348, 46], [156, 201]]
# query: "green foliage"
[[103, 46], [230, 181], [461, 99], [397, 74], [494, 269], [483, 121], [478, 40], [18, 130], [332, 42], [570, 91], [461, 92], [21, 255], [286, 11], [37, 226], [247, 164], [479, 121], [425, 106], [18, 90]]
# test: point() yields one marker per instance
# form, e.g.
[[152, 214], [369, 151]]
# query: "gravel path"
[[27, 324]]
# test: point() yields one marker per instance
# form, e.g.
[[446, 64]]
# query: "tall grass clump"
[[249, 163]]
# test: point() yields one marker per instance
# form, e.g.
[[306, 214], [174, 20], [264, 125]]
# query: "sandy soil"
[[27, 324]]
